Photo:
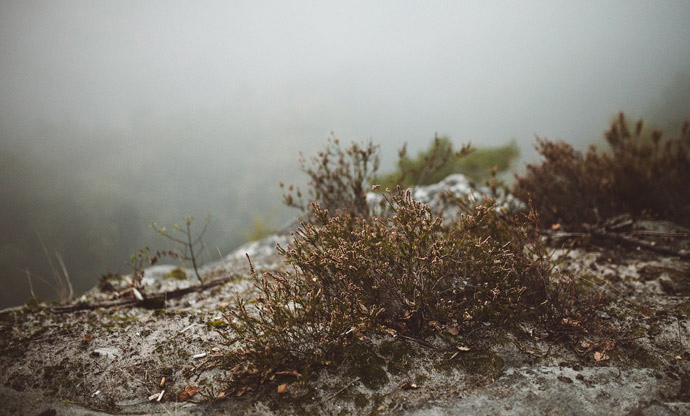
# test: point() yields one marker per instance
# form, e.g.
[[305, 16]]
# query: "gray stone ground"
[[564, 391], [111, 361]]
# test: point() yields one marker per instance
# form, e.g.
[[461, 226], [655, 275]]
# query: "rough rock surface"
[[460, 186], [113, 360]]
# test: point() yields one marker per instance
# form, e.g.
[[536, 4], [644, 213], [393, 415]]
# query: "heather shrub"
[[353, 272], [646, 176], [409, 273], [338, 179]]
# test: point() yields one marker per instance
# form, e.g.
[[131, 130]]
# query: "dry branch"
[[600, 235], [638, 242], [154, 300]]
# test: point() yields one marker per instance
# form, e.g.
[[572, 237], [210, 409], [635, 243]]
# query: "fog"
[[117, 114]]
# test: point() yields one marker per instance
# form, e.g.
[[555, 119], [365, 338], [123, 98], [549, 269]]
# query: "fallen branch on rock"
[[638, 242], [597, 234], [150, 301]]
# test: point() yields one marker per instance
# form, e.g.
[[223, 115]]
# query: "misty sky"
[[114, 114], [389, 70]]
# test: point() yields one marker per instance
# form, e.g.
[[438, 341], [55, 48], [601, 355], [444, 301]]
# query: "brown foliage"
[[410, 273], [338, 179], [642, 176]]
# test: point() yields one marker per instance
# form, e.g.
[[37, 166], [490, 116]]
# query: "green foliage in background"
[[260, 228], [441, 159]]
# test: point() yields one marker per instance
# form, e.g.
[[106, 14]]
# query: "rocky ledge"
[[122, 358]]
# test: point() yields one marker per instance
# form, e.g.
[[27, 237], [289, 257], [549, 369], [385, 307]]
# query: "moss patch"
[[63, 376], [397, 355], [366, 364], [479, 363], [217, 323], [644, 359], [177, 274]]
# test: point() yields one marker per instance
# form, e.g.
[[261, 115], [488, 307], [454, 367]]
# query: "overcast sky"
[[485, 71]]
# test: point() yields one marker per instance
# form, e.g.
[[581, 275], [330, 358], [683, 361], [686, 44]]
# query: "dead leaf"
[[678, 357], [453, 330], [88, 338], [409, 386], [463, 348], [599, 356], [555, 227], [241, 392], [282, 389], [220, 395], [188, 393]]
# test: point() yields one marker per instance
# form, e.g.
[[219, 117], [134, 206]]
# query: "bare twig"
[[343, 389], [152, 300], [62, 284], [188, 243], [31, 286], [420, 342], [628, 239], [225, 265], [660, 233], [637, 242], [64, 272]]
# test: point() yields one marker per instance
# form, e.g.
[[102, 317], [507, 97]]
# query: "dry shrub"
[[642, 176], [338, 179], [409, 273]]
